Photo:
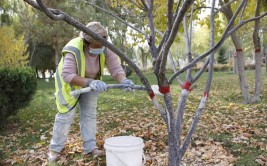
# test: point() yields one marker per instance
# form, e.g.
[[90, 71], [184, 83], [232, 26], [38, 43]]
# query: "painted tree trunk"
[[235, 71], [241, 69], [239, 57], [257, 88], [258, 56]]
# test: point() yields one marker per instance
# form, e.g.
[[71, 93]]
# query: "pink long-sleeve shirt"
[[69, 70]]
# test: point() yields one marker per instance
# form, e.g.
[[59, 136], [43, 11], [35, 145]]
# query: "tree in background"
[[222, 59], [44, 60], [12, 49]]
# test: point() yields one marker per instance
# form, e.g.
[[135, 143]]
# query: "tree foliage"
[[222, 58], [12, 48]]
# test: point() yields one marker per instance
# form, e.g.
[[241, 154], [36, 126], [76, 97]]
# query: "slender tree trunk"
[[258, 56], [257, 88], [239, 57], [241, 69], [235, 64]]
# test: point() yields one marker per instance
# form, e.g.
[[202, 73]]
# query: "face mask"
[[96, 51]]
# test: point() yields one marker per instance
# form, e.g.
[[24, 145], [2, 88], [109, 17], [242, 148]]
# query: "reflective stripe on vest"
[[65, 102]]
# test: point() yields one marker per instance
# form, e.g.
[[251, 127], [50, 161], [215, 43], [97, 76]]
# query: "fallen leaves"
[[262, 160], [222, 126]]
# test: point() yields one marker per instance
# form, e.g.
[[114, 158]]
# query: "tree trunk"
[[266, 62], [241, 69], [239, 57], [258, 56], [257, 88], [235, 64]]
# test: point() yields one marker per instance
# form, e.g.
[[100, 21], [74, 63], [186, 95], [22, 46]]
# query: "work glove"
[[128, 82], [98, 85]]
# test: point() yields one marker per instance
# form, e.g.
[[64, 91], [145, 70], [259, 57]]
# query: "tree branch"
[[48, 13], [95, 36], [117, 17], [207, 87], [200, 72], [173, 34], [224, 36], [243, 11], [152, 39], [169, 15]]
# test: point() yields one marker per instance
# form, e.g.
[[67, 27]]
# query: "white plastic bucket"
[[124, 151]]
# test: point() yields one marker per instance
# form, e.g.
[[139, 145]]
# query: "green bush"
[[17, 86]]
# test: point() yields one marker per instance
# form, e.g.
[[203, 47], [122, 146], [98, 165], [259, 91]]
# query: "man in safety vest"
[[82, 65]]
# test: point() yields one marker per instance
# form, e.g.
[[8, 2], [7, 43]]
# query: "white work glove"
[[98, 85], [128, 82]]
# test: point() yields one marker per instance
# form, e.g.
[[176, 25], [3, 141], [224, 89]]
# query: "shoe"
[[53, 156], [97, 152]]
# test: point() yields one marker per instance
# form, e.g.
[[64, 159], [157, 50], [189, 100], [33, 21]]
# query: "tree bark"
[[257, 88], [239, 58], [235, 64], [258, 55]]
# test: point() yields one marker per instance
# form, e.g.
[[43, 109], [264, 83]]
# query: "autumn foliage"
[[12, 48]]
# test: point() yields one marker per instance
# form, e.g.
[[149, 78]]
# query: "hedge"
[[17, 86]]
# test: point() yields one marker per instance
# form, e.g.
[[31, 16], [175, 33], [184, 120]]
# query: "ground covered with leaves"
[[229, 132]]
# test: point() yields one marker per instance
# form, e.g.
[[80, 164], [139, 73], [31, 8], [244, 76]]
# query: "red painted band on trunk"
[[206, 94], [164, 89], [187, 86], [151, 95], [239, 50], [257, 50]]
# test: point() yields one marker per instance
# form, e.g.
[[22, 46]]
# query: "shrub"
[[17, 85]]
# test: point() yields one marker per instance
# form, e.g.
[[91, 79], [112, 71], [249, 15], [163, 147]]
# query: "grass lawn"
[[229, 132]]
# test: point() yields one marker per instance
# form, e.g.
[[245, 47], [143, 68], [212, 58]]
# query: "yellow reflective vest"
[[64, 101]]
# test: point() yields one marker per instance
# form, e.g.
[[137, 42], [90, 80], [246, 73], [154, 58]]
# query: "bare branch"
[[224, 36], [47, 11], [152, 39], [177, 8], [191, 25], [245, 22], [207, 88], [137, 4], [169, 15], [171, 58], [103, 41], [243, 11], [117, 17], [201, 71], [173, 34], [224, 6], [216, 9], [145, 5]]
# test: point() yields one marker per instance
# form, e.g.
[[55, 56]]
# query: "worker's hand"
[[98, 85], [128, 82]]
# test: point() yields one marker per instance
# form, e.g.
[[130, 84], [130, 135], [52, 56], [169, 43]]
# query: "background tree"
[[222, 56], [12, 49]]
